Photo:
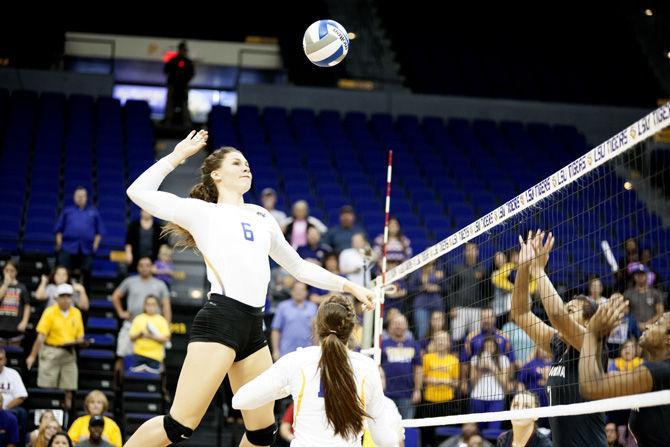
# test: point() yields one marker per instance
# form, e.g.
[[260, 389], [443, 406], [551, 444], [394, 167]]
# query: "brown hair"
[[344, 410], [205, 190]]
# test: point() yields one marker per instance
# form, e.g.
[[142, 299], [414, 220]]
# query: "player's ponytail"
[[344, 409], [205, 190]]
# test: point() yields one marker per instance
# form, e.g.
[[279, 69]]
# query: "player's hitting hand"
[[192, 144]]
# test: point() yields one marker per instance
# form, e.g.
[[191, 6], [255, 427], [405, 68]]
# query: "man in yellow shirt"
[[60, 329], [149, 333]]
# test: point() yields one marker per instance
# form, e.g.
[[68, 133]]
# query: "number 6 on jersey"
[[248, 234]]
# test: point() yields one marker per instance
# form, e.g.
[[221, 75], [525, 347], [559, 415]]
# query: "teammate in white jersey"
[[235, 240], [335, 391]]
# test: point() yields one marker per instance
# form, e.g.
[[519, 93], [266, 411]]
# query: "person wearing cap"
[[59, 329], [269, 201], [339, 237], [96, 425], [646, 304]]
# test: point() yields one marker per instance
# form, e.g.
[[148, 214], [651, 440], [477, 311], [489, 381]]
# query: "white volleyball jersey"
[[235, 241], [297, 374]]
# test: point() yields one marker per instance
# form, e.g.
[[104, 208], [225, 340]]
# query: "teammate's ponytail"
[[205, 190], [344, 409]]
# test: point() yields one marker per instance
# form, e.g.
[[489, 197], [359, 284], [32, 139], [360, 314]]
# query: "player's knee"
[[264, 436], [176, 432]]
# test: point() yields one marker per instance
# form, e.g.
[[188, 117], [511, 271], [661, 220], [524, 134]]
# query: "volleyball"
[[325, 43]]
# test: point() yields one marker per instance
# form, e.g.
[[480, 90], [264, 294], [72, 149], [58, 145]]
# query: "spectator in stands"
[[631, 256], [330, 263], [163, 268], [357, 261], [396, 295], [612, 435], [438, 323], [339, 237], [269, 202], [143, 240], [401, 362], [46, 417], [314, 249], [60, 440], [646, 303], [96, 405], [286, 427], [427, 285], [652, 275], [149, 332], [441, 379], [501, 280], [467, 296], [489, 376], [78, 231], [14, 307], [292, 323], [629, 358], [398, 247], [469, 432], [9, 427], [596, 290], [13, 393], [59, 330], [46, 432], [520, 343], [96, 427], [136, 288], [281, 283], [300, 221], [524, 431], [388, 318], [534, 374], [49, 284], [474, 343], [179, 71]]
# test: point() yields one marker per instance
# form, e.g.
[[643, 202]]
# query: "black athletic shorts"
[[231, 323]]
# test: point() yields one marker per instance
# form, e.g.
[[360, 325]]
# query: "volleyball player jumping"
[[334, 390], [235, 240], [650, 425], [563, 340]]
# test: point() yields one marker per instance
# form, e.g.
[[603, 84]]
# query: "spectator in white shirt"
[[356, 262], [13, 392]]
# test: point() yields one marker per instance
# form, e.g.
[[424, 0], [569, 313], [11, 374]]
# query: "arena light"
[[351, 35], [668, 54], [648, 12], [628, 186], [196, 294]]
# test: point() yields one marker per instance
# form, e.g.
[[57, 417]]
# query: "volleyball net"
[[446, 339]]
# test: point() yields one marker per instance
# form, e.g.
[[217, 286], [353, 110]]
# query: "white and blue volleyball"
[[325, 43]]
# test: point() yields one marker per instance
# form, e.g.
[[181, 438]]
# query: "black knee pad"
[[175, 431], [264, 436]]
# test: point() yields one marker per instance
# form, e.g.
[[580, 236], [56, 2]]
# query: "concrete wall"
[[596, 122], [56, 81]]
